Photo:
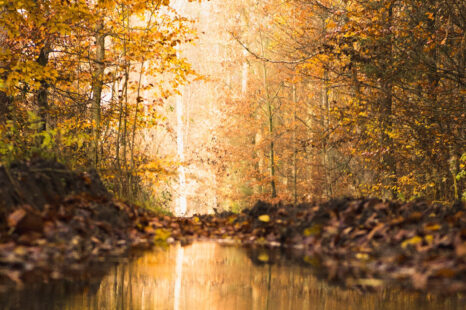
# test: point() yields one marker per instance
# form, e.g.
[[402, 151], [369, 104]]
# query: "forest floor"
[[367, 243], [55, 224]]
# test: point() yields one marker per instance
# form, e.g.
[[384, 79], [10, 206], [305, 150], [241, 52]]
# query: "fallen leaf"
[[415, 216], [412, 241], [362, 256], [429, 239], [312, 231], [419, 280], [15, 217], [263, 257], [460, 249], [432, 227], [264, 218], [370, 282], [445, 273]]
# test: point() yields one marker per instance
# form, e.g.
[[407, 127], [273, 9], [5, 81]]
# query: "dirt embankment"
[[362, 242], [55, 223]]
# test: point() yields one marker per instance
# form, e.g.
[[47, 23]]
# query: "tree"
[[87, 69]]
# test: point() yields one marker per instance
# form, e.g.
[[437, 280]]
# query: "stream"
[[208, 275]]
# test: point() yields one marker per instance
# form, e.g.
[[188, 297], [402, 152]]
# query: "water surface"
[[211, 276]]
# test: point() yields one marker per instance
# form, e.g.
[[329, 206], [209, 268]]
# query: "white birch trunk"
[[244, 79], [181, 205]]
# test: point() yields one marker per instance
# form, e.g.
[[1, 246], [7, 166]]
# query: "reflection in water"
[[178, 276], [211, 276]]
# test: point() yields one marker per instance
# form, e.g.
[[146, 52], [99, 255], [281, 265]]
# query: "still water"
[[211, 276]]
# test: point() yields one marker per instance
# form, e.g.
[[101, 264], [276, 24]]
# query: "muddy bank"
[[55, 223], [362, 242]]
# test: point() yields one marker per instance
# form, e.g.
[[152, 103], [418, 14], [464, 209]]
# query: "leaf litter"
[[55, 224]]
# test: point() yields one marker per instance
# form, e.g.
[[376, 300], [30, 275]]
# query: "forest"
[[356, 98], [317, 99], [161, 121]]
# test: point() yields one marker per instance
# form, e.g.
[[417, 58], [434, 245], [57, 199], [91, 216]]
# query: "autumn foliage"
[[316, 99], [349, 98], [83, 81]]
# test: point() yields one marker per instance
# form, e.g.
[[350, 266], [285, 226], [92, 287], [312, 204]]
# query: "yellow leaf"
[[413, 241], [362, 256], [331, 24], [263, 257], [429, 239], [264, 218], [312, 231], [161, 236], [433, 227], [370, 282], [2, 84]]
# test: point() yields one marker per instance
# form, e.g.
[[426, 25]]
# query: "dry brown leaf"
[[419, 280], [460, 249], [15, 217]]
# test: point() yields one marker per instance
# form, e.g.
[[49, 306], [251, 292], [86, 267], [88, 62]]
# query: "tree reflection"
[[178, 276]]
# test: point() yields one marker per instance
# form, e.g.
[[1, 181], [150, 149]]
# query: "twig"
[[288, 62]]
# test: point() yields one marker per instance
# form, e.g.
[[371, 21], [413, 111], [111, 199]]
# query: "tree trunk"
[[5, 100], [268, 101], [295, 149], [325, 122], [272, 152], [42, 94], [386, 123], [97, 85], [271, 133]]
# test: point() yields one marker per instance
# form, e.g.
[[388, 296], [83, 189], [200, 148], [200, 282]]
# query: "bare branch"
[[287, 62]]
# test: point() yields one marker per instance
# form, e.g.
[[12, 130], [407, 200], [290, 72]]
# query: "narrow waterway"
[[211, 276]]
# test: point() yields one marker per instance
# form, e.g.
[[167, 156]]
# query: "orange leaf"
[[15, 217]]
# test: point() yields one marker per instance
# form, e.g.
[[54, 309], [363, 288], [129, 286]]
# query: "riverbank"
[[55, 224], [358, 242]]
